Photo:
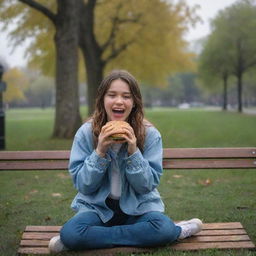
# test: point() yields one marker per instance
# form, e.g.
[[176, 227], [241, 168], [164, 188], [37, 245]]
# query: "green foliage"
[[231, 47]]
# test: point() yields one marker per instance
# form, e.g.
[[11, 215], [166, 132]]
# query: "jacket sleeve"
[[86, 167], [143, 170]]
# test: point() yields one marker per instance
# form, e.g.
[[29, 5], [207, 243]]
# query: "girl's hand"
[[130, 138], [104, 141]]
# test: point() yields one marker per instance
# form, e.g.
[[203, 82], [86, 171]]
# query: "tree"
[[65, 23], [150, 48], [234, 43], [16, 83], [111, 33], [214, 66]]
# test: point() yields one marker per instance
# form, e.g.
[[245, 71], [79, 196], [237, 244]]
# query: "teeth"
[[118, 110]]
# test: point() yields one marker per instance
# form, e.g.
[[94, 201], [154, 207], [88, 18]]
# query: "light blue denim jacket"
[[140, 175]]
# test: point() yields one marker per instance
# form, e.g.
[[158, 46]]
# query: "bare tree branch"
[[41, 8], [116, 22], [116, 51]]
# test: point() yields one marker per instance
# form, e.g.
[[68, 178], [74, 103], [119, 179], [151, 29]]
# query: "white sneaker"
[[189, 227], [56, 246]]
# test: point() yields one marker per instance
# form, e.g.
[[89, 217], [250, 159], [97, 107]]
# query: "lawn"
[[44, 197]]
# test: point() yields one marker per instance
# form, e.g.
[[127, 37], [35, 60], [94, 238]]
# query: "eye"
[[127, 96]]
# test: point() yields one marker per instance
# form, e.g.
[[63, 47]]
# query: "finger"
[[106, 130], [130, 130]]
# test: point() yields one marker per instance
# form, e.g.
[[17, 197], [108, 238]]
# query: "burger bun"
[[118, 130]]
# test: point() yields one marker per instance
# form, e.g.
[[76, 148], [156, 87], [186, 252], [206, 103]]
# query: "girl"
[[118, 203]]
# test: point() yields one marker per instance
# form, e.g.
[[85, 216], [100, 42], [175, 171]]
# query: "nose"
[[119, 100]]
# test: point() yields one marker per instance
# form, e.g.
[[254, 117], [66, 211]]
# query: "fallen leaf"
[[47, 218], [177, 176], [34, 191], [56, 194], [206, 182], [26, 197]]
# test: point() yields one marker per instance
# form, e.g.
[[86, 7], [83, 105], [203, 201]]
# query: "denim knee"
[[165, 230], [70, 236]]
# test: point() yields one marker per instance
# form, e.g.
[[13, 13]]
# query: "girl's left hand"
[[130, 139]]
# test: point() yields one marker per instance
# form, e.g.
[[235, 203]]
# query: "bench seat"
[[230, 235]]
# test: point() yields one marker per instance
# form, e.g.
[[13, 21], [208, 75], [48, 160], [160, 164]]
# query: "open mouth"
[[118, 111]]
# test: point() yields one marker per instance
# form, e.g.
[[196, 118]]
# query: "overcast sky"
[[208, 10]]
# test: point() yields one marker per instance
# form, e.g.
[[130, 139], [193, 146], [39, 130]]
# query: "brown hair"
[[136, 117]]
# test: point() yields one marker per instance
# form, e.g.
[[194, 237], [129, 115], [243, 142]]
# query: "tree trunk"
[[239, 92], [94, 71], [225, 92], [91, 50], [67, 115]]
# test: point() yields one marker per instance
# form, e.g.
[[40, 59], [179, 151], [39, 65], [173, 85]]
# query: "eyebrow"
[[110, 91]]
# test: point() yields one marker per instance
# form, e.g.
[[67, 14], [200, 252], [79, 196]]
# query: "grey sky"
[[207, 11]]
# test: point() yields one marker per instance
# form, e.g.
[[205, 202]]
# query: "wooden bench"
[[231, 235]]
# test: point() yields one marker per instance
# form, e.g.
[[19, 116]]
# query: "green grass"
[[44, 197]]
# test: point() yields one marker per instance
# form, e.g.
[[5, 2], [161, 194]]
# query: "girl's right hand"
[[104, 141]]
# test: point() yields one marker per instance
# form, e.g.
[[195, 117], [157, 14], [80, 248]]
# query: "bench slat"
[[167, 164], [34, 165], [220, 238], [33, 250], [43, 228], [221, 225], [243, 152], [209, 164], [219, 232], [30, 155], [34, 243], [38, 235], [40, 242], [178, 246]]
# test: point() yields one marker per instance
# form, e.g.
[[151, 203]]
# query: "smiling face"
[[118, 101]]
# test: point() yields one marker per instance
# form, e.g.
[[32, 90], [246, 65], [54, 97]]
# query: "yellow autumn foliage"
[[16, 83], [156, 47]]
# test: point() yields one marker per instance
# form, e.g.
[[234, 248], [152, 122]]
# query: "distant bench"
[[230, 235]]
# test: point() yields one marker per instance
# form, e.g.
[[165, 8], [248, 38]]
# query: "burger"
[[118, 129]]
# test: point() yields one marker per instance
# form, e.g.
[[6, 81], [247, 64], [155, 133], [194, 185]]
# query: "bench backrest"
[[173, 158]]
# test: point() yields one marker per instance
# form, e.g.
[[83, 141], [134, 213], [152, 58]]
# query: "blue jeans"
[[86, 230]]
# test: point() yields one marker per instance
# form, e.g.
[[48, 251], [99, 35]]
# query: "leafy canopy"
[[231, 46], [155, 47]]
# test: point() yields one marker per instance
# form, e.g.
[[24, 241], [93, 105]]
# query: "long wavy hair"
[[136, 117]]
